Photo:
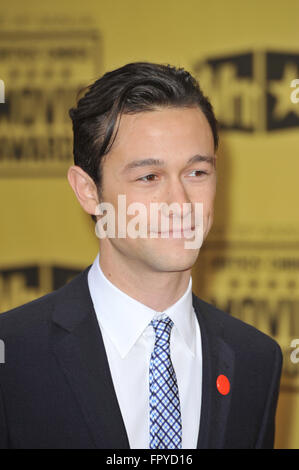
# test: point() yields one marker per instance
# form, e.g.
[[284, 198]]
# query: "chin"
[[175, 262]]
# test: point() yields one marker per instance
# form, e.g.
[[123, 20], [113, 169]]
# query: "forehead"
[[163, 130]]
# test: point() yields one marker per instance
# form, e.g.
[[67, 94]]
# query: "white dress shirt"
[[129, 341]]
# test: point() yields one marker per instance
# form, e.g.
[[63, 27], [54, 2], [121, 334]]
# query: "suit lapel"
[[80, 351], [218, 359]]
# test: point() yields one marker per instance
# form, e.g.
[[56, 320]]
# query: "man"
[[125, 356]]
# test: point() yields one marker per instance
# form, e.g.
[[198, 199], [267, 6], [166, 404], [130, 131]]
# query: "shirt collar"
[[124, 319]]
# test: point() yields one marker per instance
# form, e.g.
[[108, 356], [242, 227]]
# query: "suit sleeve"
[[3, 424], [266, 435]]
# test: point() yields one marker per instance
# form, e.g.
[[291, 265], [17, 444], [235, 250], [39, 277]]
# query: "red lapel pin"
[[223, 385]]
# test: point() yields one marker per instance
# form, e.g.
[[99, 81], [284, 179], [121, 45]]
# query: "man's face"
[[157, 158]]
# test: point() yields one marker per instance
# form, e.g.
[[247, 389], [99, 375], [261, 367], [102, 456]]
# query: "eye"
[[147, 178], [198, 173]]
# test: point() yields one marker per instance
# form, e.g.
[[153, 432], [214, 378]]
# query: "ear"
[[84, 188]]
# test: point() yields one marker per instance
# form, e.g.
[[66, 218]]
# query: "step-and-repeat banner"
[[246, 57]]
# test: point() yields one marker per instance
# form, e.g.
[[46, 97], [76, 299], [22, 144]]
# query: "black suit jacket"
[[56, 389]]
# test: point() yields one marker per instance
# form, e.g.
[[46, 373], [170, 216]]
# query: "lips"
[[181, 232]]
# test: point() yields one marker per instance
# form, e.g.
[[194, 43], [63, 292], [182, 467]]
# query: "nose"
[[178, 199]]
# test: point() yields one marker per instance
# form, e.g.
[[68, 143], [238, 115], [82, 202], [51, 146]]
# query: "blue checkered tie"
[[165, 415]]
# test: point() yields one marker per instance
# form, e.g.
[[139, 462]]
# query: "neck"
[[155, 289]]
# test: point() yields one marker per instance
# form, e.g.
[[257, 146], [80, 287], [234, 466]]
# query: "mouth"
[[180, 233]]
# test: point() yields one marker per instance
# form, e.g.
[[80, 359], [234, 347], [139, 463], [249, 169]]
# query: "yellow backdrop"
[[245, 55]]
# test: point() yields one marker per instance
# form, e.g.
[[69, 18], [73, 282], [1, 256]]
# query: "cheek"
[[207, 198], [210, 193], [209, 203]]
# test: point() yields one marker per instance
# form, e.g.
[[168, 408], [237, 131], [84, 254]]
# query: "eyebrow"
[[211, 159], [157, 162]]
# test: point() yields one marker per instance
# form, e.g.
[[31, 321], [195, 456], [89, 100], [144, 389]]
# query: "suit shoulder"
[[237, 332], [35, 310]]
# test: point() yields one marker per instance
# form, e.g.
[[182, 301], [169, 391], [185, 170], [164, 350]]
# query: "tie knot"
[[162, 329]]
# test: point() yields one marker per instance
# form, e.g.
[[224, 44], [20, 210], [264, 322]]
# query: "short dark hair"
[[133, 88]]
